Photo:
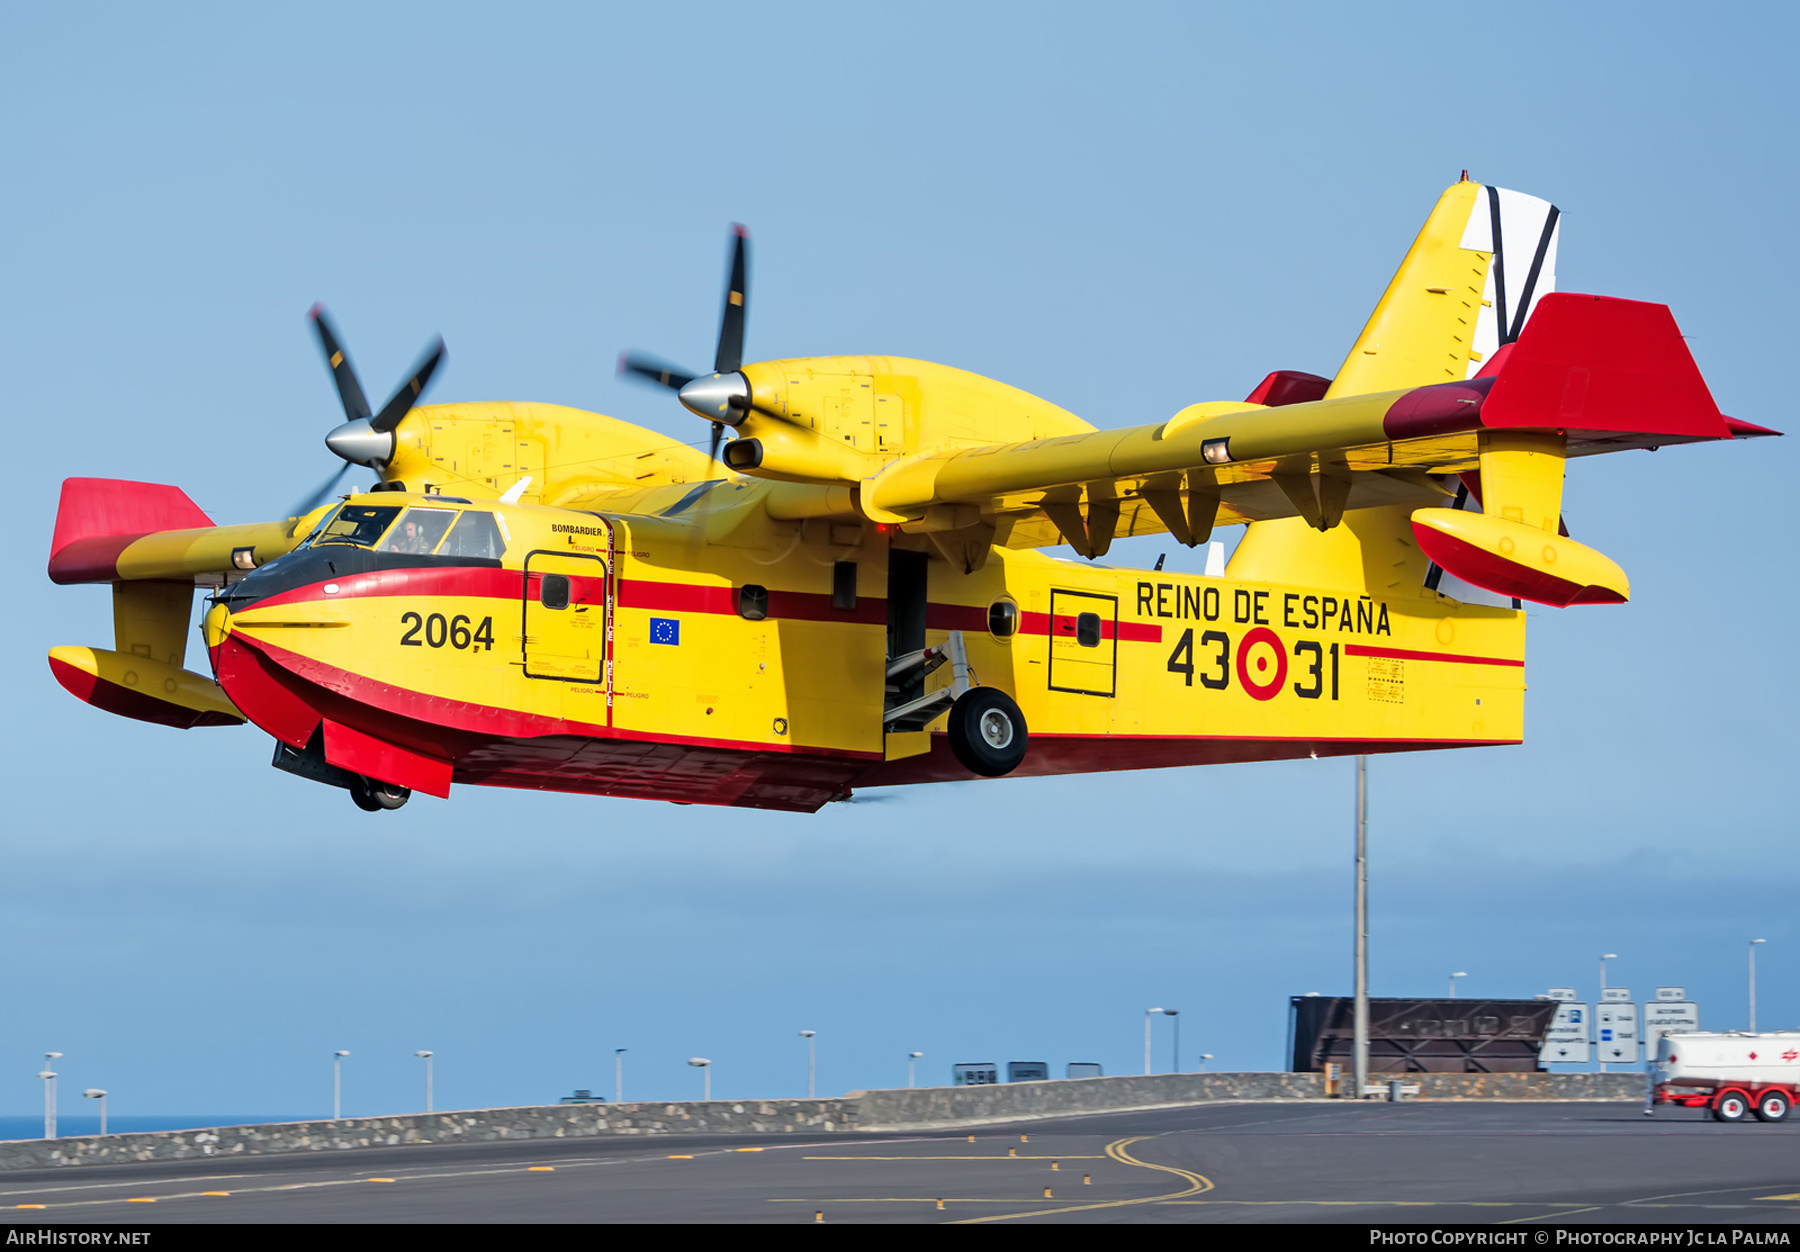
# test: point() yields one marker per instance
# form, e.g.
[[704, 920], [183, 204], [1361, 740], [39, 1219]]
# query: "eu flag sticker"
[[665, 630]]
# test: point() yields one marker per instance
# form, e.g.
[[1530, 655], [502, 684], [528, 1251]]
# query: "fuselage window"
[[358, 525], [419, 531], [553, 591], [476, 536], [1003, 619], [1087, 630], [753, 602]]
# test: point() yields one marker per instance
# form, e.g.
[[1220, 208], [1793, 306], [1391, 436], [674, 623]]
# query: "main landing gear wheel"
[[372, 796], [1731, 1107], [1774, 1107], [987, 732]]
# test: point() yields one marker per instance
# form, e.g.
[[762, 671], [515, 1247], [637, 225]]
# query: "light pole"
[[1753, 944], [426, 1057], [95, 1093], [1204, 1058], [705, 1067], [912, 1059], [1148, 1014], [1453, 978], [1359, 1035], [812, 1057], [337, 1084], [619, 1075], [1604, 958], [49, 1077]]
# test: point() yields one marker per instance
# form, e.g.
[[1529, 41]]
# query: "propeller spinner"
[[364, 438], [723, 396]]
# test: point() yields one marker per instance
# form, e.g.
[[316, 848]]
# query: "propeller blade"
[[408, 395], [342, 372], [322, 494], [654, 370], [731, 323], [712, 451]]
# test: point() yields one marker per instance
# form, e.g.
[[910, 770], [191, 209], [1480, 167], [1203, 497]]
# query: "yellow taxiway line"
[[1197, 1184]]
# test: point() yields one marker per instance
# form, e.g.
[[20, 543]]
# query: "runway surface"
[[1277, 1162]]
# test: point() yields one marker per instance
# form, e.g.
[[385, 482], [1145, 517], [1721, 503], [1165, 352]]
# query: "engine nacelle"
[[771, 448]]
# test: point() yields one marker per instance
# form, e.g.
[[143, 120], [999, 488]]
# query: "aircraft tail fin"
[[1468, 285]]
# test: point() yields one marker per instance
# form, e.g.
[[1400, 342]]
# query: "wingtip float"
[[853, 593]]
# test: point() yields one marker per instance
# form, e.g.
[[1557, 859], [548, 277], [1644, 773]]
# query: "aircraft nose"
[[216, 625], [718, 397], [360, 443]]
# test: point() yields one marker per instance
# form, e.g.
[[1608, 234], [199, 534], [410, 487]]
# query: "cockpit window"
[[318, 528], [419, 531], [475, 536], [358, 525]]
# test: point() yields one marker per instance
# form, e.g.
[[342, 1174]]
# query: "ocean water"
[[89, 1123]]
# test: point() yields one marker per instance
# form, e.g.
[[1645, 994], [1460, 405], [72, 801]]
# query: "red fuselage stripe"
[[452, 580], [658, 597], [1064, 626], [1403, 654]]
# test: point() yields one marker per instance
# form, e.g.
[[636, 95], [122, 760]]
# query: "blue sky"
[[1122, 211]]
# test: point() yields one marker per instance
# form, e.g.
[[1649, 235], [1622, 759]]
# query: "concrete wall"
[[1523, 1086], [955, 1106], [860, 1110], [1001, 1102], [554, 1121]]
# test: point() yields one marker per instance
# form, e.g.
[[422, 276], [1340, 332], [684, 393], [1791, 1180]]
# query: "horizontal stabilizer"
[[141, 688], [1284, 387], [1603, 365]]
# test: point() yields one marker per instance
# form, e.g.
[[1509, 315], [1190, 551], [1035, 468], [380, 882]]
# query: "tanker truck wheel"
[[987, 732], [1730, 1107], [1774, 1107]]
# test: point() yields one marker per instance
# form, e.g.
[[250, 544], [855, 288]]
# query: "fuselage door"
[[1084, 642], [565, 617]]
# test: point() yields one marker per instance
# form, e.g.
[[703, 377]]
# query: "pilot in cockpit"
[[408, 537]]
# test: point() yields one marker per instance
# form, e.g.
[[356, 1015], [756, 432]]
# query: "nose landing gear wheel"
[[372, 796], [987, 732]]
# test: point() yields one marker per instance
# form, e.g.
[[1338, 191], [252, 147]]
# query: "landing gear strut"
[[372, 796]]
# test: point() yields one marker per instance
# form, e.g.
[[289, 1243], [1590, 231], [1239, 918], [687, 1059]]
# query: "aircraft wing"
[[110, 531], [1594, 373]]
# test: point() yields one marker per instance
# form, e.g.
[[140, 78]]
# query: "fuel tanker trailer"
[[1734, 1074]]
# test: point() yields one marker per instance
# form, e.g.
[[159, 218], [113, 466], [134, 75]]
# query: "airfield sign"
[[1567, 1042], [1662, 1017], [1616, 1028]]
